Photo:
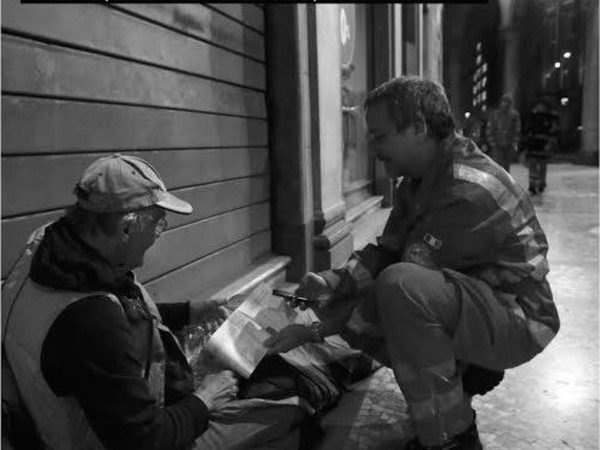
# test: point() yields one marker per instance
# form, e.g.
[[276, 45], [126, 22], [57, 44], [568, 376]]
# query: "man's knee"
[[404, 275], [403, 284]]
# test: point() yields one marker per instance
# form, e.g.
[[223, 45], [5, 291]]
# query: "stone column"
[[420, 40], [397, 38], [386, 58], [333, 240], [288, 104], [589, 138], [510, 35], [453, 58], [432, 42]]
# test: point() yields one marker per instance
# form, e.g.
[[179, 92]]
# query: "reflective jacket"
[[470, 216], [542, 128], [31, 311]]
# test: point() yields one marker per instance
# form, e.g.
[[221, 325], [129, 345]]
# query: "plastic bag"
[[202, 362]]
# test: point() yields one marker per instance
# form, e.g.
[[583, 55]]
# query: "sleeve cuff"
[[332, 278], [359, 273], [198, 410], [175, 315]]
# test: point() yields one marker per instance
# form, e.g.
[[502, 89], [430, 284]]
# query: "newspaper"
[[239, 342]]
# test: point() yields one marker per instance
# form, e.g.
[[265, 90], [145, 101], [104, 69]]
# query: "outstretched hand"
[[208, 313], [289, 338], [314, 287]]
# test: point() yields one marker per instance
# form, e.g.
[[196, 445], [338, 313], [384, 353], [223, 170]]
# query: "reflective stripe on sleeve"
[[534, 252], [542, 334], [359, 273], [503, 197]]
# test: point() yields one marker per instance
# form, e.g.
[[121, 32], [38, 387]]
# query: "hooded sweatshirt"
[[89, 352]]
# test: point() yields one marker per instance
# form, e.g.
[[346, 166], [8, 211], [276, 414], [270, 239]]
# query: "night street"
[[198, 245]]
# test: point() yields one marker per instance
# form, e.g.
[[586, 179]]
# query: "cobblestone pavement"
[[552, 402]]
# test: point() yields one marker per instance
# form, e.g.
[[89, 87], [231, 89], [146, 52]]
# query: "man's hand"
[[217, 388], [314, 287], [334, 311], [289, 338], [208, 313]]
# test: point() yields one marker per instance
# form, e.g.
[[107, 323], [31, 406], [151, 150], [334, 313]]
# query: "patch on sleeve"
[[419, 253], [432, 241]]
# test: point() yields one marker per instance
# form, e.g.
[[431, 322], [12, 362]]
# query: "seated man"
[[93, 362], [458, 277]]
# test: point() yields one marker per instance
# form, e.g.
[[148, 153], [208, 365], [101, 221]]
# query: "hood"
[[64, 261]]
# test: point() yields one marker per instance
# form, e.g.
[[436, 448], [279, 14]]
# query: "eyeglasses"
[[150, 220], [160, 226]]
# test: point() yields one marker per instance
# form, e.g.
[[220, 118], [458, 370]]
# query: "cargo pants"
[[428, 319]]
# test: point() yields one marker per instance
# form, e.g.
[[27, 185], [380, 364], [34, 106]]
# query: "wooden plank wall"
[[181, 85]]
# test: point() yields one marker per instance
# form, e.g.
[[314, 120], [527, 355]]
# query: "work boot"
[[467, 440]]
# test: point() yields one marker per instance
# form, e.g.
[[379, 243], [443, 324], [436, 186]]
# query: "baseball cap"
[[121, 183]]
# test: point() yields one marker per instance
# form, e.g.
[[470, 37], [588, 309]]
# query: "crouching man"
[[94, 362], [458, 278]]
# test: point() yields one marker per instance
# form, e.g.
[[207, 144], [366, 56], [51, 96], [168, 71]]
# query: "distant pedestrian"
[[540, 134], [474, 129], [503, 132]]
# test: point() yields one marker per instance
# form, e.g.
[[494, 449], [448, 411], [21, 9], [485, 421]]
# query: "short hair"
[[418, 102], [93, 222], [506, 97]]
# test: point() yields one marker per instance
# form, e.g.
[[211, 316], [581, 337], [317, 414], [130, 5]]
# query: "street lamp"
[[557, 64], [567, 55]]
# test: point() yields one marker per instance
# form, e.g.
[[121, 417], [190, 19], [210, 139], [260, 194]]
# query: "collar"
[[65, 261], [440, 164]]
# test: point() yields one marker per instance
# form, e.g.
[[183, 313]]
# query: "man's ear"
[[124, 229], [421, 130], [418, 130]]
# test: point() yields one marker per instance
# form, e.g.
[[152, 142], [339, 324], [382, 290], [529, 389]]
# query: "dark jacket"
[[92, 354], [540, 134]]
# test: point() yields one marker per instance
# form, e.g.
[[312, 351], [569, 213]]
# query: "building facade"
[[252, 113], [534, 49]]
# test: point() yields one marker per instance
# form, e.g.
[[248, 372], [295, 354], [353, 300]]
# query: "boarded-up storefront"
[[187, 87], [182, 86]]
